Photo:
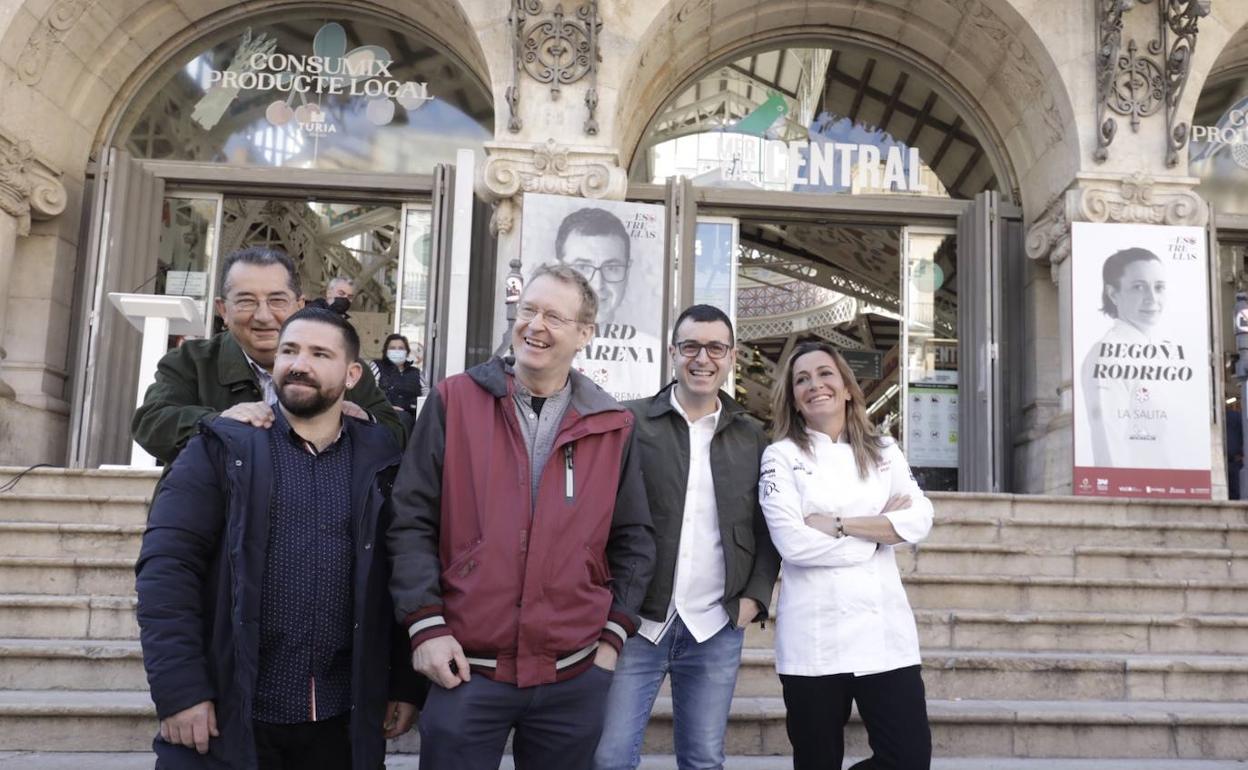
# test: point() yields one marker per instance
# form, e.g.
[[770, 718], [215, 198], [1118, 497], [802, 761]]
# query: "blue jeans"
[[703, 678]]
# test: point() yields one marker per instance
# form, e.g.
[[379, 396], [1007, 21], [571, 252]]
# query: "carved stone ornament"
[[512, 170], [58, 21], [1137, 199], [554, 48], [28, 187]]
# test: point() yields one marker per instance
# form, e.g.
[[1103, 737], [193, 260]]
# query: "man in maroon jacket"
[[521, 546]]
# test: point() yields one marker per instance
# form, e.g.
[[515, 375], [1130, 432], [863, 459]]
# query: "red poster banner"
[[1143, 482]]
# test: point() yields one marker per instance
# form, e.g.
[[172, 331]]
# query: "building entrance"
[[853, 198], [885, 296]]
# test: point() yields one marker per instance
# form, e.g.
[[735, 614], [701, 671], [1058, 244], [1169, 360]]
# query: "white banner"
[[619, 247], [1140, 307]]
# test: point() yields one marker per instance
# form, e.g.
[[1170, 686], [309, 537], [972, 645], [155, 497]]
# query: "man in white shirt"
[[716, 567]]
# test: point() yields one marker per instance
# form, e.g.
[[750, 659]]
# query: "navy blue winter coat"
[[200, 572]]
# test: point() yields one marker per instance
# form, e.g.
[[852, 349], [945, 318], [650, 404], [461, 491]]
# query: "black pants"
[[557, 725], [893, 708], [324, 745]]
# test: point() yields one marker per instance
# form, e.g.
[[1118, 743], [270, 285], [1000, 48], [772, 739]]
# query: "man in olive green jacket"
[[700, 454], [229, 373]]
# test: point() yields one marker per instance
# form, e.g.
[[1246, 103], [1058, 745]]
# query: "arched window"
[[311, 91], [1218, 150], [830, 118]]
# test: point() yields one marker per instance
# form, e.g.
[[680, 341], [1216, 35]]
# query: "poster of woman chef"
[[1141, 340], [619, 248]]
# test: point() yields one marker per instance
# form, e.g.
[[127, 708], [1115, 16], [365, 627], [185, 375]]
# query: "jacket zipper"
[[569, 485]]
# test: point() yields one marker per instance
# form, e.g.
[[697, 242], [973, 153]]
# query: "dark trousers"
[[324, 745], [893, 707], [557, 725]]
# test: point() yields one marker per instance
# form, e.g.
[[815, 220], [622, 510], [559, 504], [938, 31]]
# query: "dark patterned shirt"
[[306, 611]]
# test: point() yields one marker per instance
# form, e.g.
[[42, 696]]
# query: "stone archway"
[[72, 67], [982, 51]]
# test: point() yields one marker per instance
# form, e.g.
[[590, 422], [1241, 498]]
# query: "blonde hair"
[[788, 422]]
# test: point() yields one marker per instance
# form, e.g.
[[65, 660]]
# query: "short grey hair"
[[588, 312], [340, 279]]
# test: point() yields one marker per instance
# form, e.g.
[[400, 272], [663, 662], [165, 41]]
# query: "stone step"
[[1175, 533], [67, 575], [1081, 561], [80, 508], [44, 760], [1125, 632], [71, 664], [71, 481], [1078, 509], [970, 674], [1019, 593], [67, 616], [125, 721], [1120, 632], [1001, 728], [57, 664], [35, 538]]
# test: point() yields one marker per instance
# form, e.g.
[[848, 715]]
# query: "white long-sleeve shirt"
[[842, 607], [698, 585]]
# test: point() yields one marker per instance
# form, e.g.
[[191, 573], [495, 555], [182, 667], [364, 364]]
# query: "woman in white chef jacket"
[[837, 498]]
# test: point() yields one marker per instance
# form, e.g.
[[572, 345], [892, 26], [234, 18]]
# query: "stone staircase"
[[1057, 633]]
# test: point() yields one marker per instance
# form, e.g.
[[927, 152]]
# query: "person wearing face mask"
[[339, 294], [1127, 374], [838, 496], [399, 379]]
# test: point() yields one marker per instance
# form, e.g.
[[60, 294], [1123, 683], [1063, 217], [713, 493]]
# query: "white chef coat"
[[842, 607]]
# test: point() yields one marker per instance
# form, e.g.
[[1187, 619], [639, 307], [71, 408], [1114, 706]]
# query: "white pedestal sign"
[[157, 316]]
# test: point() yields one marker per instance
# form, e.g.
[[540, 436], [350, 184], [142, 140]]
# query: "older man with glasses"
[[231, 373]]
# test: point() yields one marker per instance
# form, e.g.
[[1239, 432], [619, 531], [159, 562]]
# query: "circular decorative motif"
[[556, 52], [1139, 87]]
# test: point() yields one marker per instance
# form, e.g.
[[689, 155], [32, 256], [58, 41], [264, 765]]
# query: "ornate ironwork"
[[557, 49], [1138, 84], [1178, 18], [1109, 42], [1139, 89]]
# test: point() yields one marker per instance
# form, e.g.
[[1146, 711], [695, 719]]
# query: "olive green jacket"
[[751, 562], [204, 377]]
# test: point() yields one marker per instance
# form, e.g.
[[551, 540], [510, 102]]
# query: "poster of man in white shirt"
[[619, 248], [1141, 342]]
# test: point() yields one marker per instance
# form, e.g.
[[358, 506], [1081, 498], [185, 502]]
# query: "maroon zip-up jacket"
[[528, 591]]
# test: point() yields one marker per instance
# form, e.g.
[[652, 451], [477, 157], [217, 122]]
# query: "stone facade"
[[1025, 70]]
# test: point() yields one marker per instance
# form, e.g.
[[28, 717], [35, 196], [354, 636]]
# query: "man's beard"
[[306, 403]]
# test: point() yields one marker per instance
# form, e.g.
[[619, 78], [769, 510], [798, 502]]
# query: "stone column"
[[1136, 199], [28, 188]]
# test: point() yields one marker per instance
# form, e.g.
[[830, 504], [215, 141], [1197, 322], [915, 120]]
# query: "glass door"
[[415, 319], [929, 386], [190, 228]]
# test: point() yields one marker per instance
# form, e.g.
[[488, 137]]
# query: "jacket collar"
[[372, 446], [661, 404], [587, 397], [232, 366]]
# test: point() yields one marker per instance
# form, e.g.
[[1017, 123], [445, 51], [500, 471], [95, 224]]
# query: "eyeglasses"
[[527, 313], [690, 349], [276, 304], [612, 272]]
